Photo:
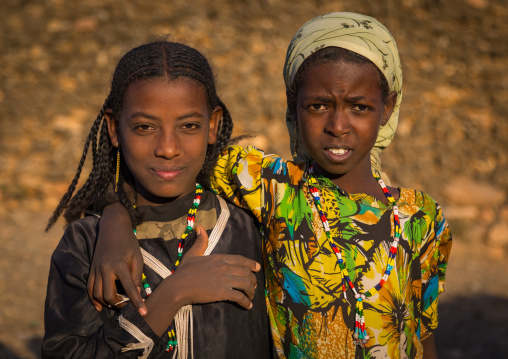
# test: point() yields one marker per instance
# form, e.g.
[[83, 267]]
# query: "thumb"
[[135, 296], [199, 246], [137, 269]]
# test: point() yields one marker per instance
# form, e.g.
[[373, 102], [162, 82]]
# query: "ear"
[[215, 118], [113, 127], [388, 107]]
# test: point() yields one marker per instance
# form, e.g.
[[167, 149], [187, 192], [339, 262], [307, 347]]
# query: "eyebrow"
[[144, 115], [317, 98], [151, 117], [359, 98]]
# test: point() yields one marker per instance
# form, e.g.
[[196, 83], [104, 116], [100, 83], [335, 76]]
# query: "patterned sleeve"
[[238, 177], [434, 260], [254, 180]]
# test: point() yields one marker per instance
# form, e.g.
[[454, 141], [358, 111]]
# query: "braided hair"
[[159, 59]]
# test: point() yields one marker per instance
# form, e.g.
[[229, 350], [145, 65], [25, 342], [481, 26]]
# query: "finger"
[[137, 269], [200, 245], [110, 292], [244, 285], [97, 291], [243, 273], [133, 291], [89, 289], [239, 260], [239, 298]]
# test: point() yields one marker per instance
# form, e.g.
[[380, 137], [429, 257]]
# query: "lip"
[[335, 157], [167, 173]]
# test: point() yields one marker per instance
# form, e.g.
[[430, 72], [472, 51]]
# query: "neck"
[[144, 197], [359, 180]]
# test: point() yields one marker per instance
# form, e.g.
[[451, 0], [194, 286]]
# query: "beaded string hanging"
[[172, 342], [360, 334]]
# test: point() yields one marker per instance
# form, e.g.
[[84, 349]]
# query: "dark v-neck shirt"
[[223, 329]]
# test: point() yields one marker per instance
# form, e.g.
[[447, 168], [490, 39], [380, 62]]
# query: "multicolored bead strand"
[[190, 225], [360, 333], [146, 286], [172, 342], [191, 216]]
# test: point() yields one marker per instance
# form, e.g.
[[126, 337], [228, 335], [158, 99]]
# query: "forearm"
[[117, 213], [163, 304], [73, 328]]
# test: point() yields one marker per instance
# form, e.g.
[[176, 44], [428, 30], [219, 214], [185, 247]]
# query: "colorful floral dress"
[[310, 316]]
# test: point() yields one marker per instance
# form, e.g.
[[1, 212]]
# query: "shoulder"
[[240, 233], [85, 227], [79, 238], [253, 161], [239, 214], [254, 154], [413, 200], [235, 214], [274, 166]]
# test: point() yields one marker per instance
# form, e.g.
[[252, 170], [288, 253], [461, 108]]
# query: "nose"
[[167, 145], [338, 123]]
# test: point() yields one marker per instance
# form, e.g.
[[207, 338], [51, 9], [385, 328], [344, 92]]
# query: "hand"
[[214, 278], [198, 279], [117, 257]]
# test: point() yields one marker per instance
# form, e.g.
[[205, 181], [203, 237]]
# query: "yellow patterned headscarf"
[[361, 34]]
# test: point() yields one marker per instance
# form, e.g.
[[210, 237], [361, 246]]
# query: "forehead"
[[341, 75], [162, 94]]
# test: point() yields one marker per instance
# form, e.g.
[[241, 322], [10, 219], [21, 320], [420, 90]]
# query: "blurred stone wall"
[[57, 59]]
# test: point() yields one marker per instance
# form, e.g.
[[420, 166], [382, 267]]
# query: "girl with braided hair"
[[353, 268], [155, 141]]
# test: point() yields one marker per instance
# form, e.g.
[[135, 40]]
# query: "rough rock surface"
[[57, 57]]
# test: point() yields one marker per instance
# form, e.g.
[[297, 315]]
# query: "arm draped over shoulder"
[[73, 327]]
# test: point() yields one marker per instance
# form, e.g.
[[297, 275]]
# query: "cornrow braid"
[[159, 59]]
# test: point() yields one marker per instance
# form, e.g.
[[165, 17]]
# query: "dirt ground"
[[57, 57]]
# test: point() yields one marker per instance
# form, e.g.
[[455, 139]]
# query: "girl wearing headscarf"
[[353, 268]]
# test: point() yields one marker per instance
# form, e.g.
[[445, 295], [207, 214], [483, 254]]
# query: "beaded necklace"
[[360, 334], [172, 342]]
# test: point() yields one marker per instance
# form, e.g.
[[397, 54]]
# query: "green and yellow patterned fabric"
[[309, 315]]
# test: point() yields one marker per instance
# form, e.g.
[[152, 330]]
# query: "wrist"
[[175, 291], [163, 304]]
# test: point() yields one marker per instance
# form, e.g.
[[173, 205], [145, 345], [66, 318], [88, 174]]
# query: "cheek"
[[200, 152], [308, 130], [302, 125], [135, 152]]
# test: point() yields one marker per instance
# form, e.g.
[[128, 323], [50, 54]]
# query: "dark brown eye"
[[143, 127], [362, 108], [318, 107], [191, 126]]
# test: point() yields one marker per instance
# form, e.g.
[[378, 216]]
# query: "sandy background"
[[56, 60]]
